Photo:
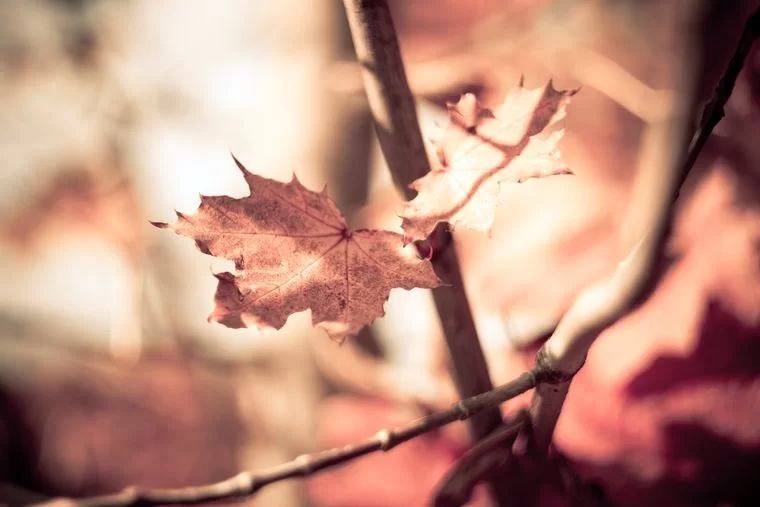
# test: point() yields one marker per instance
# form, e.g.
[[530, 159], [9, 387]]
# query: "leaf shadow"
[[720, 469], [726, 349], [702, 469]]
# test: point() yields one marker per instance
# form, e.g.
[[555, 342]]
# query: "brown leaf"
[[481, 148], [293, 251]]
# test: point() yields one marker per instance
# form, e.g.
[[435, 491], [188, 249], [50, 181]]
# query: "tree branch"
[[605, 301], [248, 483], [390, 100], [483, 460], [662, 172], [395, 117], [715, 110]]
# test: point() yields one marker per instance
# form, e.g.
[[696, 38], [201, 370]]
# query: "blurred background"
[[117, 112]]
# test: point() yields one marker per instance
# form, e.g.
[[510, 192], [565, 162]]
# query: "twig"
[[483, 460], [605, 301], [248, 483], [613, 80], [395, 116], [396, 121], [470, 370], [661, 175], [715, 110], [390, 99]]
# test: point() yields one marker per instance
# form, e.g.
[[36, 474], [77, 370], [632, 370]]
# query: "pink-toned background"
[[114, 113]]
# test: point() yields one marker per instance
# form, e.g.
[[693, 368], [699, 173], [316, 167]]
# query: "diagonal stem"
[[395, 118], [715, 110], [250, 482], [663, 171], [394, 111]]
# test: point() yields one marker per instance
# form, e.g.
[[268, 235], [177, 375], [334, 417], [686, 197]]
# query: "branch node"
[[304, 464], [384, 438], [545, 373], [464, 413], [245, 482]]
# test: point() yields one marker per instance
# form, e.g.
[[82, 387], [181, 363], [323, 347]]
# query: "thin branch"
[[468, 362], [715, 110], [605, 301], [613, 80], [395, 116], [248, 483], [662, 172], [390, 100], [483, 460]]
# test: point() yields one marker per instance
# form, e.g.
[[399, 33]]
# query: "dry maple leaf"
[[481, 148], [292, 252]]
